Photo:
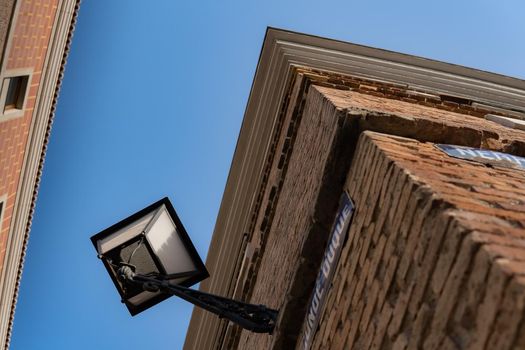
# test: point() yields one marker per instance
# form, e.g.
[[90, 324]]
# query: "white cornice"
[[430, 75], [282, 51]]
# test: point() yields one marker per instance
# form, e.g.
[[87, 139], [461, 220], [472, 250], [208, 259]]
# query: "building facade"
[[34, 39], [430, 252]]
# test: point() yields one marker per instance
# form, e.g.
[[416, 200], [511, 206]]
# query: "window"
[[2, 204], [15, 92], [14, 88]]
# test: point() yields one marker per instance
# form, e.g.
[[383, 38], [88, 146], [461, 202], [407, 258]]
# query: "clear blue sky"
[[151, 105]]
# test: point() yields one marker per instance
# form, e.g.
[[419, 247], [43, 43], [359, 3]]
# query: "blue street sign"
[[326, 274], [484, 156]]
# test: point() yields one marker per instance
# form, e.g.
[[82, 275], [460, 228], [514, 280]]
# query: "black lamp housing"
[[152, 242]]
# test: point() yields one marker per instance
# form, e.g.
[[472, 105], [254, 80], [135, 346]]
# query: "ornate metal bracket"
[[256, 318]]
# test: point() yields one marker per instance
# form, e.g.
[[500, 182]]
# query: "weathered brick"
[[400, 342], [471, 294], [384, 320], [434, 231], [400, 308], [424, 207], [429, 256], [434, 240], [420, 325], [509, 316]]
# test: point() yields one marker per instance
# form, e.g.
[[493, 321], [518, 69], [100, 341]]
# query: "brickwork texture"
[[31, 33], [434, 258], [307, 198]]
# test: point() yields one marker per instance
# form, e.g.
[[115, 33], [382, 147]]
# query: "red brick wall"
[[435, 255], [301, 197], [27, 49], [414, 274], [425, 123]]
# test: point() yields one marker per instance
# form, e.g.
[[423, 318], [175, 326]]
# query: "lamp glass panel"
[[168, 246], [124, 234]]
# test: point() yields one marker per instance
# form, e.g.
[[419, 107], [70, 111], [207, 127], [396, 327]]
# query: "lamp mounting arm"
[[256, 318]]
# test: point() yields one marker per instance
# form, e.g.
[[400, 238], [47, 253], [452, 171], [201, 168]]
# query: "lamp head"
[[151, 242]]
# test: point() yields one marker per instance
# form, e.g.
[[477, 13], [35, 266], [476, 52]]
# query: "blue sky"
[[151, 105]]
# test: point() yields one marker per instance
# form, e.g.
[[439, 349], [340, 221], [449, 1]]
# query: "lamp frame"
[[201, 274], [256, 318]]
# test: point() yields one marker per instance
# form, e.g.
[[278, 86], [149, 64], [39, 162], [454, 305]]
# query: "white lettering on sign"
[[466, 152], [328, 264]]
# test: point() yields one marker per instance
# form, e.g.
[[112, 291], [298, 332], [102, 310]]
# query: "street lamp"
[[150, 257]]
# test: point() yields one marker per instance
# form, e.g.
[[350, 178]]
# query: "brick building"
[[434, 254], [34, 39]]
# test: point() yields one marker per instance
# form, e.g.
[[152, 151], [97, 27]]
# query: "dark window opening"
[[16, 92]]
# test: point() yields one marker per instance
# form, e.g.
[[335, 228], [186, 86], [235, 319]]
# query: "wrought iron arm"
[[256, 318]]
